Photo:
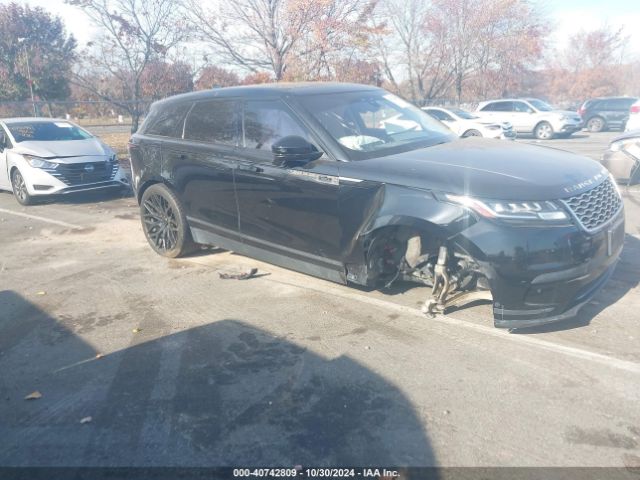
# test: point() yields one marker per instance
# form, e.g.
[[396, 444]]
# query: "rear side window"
[[521, 107], [624, 103], [168, 121], [265, 122], [498, 107], [214, 121], [439, 114]]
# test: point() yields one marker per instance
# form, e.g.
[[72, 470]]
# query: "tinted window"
[[46, 132], [267, 121], [521, 107], [498, 107], [623, 103], [541, 106], [214, 121], [4, 139], [439, 114], [168, 121]]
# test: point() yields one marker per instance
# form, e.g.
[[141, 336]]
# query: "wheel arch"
[[153, 181]]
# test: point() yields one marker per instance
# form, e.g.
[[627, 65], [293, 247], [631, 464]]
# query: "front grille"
[[84, 173], [597, 206]]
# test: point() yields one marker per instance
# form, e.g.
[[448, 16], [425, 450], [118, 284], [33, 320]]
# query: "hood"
[[66, 151], [565, 113], [485, 168]]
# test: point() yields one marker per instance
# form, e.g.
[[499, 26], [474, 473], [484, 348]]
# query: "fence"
[[87, 112]]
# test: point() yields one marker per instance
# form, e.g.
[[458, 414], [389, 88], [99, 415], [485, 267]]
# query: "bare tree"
[[253, 34], [134, 34], [292, 39]]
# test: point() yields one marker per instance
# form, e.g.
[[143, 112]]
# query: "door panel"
[[290, 207], [203, 175], [5, 182], [202, 165]]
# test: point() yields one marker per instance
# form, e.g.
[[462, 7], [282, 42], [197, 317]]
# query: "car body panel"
[[613, 110], [622, 158], [82, 164], [525, 117], [461, 126], [320, 217]]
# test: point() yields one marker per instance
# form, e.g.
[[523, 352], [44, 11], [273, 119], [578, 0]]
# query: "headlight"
[[38, 162], [510, 210], [623, 144]]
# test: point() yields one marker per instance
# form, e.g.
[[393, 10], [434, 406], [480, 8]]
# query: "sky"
[[568, 16]]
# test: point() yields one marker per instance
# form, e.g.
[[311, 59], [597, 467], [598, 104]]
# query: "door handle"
[[251, 168]]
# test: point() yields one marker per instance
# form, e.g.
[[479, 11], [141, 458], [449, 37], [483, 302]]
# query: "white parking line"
[[491, 331], [41, 219]]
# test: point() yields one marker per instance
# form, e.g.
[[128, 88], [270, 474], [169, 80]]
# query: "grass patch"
[[117, 141]]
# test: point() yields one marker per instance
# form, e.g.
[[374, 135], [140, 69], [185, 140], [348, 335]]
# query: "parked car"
[[42, 156], [600, 114], [465, 124], [531, 116], [633, 123], [303, 176], [622, 158]]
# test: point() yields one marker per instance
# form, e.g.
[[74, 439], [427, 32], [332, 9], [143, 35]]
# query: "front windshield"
[[540, 105], [463, 114], [374, 124], [46, 132]]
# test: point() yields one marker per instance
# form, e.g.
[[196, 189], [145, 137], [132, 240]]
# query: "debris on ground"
[[99, 356], [136, 330], [33, 396], [239, 276], [86, 420], [41, 293]]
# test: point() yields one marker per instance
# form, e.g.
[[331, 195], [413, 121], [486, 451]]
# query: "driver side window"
[[5, 143], [267, 121]]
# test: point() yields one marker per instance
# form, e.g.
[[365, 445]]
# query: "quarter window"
[[169, 121], [265, 122], [215, 122], [498, 107], [521, 107]]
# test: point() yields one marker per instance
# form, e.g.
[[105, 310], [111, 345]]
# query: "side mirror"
[[294, 149]]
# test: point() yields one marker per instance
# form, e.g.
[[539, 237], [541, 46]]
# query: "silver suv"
[[531, 116]]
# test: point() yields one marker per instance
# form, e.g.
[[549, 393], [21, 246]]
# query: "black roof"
[[271, 90]]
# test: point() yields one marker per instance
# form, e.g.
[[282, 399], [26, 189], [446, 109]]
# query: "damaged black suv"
[[352, 184]]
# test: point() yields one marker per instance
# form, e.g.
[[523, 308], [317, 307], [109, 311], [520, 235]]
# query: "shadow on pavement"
[[223, 394]]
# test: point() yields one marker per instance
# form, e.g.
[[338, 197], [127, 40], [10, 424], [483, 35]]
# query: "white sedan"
[[44, 156], [465, 124]]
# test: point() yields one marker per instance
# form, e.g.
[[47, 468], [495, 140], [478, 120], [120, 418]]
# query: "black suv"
[[600, 114], [355, 185]]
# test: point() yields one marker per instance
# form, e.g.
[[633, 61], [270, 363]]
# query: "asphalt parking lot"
[[145, 361]]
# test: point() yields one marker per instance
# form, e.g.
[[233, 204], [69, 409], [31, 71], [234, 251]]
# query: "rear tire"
[[596, 124], [164, 222], [19, 187], [544, 131], [471, 133]]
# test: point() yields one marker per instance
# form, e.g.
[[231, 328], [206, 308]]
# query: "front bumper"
[[568, 127], [43, 182], [543, 275]]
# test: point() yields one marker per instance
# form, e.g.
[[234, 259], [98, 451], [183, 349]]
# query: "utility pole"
[[33, 101], [26, 56]]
